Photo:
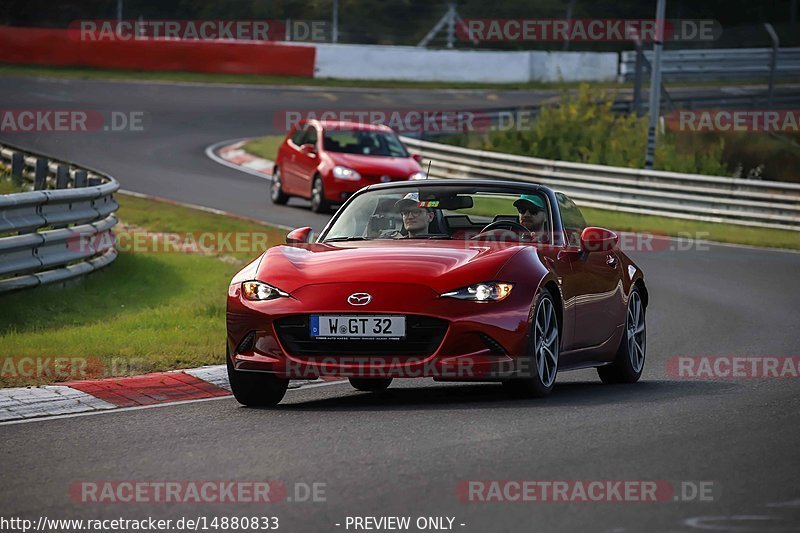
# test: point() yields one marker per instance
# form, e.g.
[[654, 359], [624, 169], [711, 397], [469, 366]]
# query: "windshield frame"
[[504, 187]]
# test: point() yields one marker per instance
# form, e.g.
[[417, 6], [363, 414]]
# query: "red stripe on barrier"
[[37, 46], [149, 389]]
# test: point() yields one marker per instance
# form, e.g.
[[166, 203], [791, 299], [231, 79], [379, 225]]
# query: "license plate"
[[357, 327]]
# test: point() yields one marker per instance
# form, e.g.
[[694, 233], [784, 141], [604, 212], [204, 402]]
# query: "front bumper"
[[457, 340]]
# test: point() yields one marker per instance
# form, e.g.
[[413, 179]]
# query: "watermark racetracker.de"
[[203, 491], [198, 242], [587, 30], [734, 120], [733, 367], [69, 368], [586, 491], [71, 121], [200, 30]]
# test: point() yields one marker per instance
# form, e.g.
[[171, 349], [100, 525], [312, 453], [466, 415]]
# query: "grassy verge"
[[145, 312], [730, 233], [196, 77], [266, 147]]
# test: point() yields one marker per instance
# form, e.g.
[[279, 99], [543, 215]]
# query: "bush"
[[584, 128]]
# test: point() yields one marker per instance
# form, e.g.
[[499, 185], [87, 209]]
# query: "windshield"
[[364, 143], [444, 212]]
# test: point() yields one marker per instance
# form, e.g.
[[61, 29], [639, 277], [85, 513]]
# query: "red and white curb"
[[231, 154], [75, 397]]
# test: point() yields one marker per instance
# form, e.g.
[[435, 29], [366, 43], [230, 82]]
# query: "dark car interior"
[[447, 221]]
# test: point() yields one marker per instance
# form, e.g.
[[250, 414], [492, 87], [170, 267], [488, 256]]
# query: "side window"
[[297, 136], [571, 218], [311, 136]]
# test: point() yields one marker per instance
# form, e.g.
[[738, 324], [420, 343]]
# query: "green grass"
[[196, 77], [266, 147], [7, 185], [711, 231], [145, 312]]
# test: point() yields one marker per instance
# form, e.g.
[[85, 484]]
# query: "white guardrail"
[[717, 64], [61, 229], [766, 204]]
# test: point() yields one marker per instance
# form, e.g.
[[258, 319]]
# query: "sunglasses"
[[531, 210], [409, 212]]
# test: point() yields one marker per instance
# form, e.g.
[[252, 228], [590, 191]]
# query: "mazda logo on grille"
[[359, 298]]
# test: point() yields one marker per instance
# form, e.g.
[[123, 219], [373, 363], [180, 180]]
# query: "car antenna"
[[428, 173]]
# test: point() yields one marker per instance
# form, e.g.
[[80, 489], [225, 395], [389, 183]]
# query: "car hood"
[[440, 265], [376, 164]]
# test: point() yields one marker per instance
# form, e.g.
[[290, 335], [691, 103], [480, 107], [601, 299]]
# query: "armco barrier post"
[[62, 177], [80, 179], [773, 59], [40, 176], [17, 167]]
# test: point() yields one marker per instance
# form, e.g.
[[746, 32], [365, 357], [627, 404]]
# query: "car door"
[[288, 161], [595, 284], [307, 162]]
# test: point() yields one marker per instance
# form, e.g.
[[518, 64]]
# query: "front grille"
[[423, 337]]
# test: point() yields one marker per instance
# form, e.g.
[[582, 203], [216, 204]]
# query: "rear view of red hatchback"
[[327, 161]]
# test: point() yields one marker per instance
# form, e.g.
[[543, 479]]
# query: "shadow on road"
[[492, 395]]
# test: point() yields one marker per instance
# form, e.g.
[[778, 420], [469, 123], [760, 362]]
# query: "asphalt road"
[[404, 452]]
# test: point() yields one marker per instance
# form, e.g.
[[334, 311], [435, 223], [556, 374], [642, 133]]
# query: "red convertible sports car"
[[327, 161], [464, 280]]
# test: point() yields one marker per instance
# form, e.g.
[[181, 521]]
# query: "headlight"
[[491, 291], [258, 291], [344, 173], [418, 176]]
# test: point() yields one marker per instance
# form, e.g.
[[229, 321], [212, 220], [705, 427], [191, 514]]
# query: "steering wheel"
[[505, 224]]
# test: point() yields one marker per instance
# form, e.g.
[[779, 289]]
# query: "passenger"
[[532, 213]]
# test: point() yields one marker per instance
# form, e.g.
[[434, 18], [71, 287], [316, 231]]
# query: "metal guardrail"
[[718, 64], [59, 230], [767, 204]]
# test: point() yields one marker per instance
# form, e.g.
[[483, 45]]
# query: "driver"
[[415, 218], [532, 213]]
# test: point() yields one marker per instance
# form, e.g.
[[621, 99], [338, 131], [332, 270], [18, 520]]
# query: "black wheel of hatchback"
[[276, 193], [318, 202]]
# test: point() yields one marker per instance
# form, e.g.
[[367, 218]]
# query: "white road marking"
[[731, 523]]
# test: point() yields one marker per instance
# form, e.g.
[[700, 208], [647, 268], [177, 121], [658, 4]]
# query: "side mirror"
[[417, 158], [298, 236], [308, 148], [595, 239]]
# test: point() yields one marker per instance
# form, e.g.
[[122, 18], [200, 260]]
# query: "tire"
[[370, 385], [318, 202], [629, 362], [256, 389], [276, 193], [543, 351]]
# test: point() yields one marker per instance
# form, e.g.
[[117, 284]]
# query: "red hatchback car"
[[327, 161]]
